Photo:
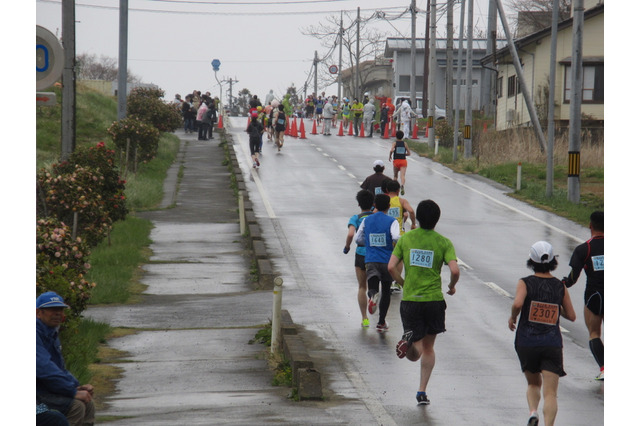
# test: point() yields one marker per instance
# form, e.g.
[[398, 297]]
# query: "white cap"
[[541, 252], [378, 163]]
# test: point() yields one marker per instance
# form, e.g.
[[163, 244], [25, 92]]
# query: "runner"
[[378, 232], [346, 112], [540, 300], [399, 209], [399, 152], [373, 183], [590, 256], [365, 202], [280, 126], [423, 252], [255, 130]]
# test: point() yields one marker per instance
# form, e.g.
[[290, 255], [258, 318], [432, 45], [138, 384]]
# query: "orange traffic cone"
[[386, 131], [350, 128], [341, 131], [302, 134], [220, 124], [415, 131], [314, 131], [393, 130], [361, 130], [294, 129]]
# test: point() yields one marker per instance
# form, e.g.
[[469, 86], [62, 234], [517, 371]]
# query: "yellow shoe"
[[365, 323]]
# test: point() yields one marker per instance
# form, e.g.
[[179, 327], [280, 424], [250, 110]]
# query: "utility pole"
[[488, 75], [68, 128], [412, 82], [357, 91], [432, 77], [122, 59], [315, 72], [425, 73], [552, 90], [468, 116], [456, 125], [575, 108], [523, 87], [449, 77], [340, 61]]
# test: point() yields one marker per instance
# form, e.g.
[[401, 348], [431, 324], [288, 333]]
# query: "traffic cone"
[[314, 131], [294, 129], [415, 131], [361, 130], [386, 131], [220, 124], [302, 134], [350, 128], [393, 130], [341, 131]]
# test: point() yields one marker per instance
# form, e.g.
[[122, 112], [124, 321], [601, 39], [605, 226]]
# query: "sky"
[[260, 43]]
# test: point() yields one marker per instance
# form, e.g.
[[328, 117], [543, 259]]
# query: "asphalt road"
[[303, 197]]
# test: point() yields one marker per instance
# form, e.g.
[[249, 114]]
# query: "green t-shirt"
[[423, 253]]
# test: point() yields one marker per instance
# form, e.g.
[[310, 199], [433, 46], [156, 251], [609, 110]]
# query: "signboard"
[[333, 69], [215, 64], [49, 58], [45, 99]]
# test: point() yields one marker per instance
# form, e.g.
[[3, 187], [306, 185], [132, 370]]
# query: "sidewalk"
[[189, 361]]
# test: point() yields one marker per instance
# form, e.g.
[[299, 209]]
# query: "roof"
[[404, 44]]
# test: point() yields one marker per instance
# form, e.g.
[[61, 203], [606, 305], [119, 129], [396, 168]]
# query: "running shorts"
[[594, 301], [360, 262], [423, 318], [379, 270], [537, 358], [398, 164]]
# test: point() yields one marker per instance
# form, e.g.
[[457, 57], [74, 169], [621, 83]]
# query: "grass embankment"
[[115, 263], [497, 155]]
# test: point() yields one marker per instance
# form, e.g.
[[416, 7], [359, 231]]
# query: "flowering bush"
[[140, 134], [111, 187], [147, 105], [67, 189], [61, 263]]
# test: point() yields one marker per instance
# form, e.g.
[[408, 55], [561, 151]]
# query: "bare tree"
[[533, 15], [90, 67], [371, 45]]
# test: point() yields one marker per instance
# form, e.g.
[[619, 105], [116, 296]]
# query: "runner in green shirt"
[[423, 253]]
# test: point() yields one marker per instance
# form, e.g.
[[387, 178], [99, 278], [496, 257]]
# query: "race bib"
[[598, 263], [378, 190], [394, 212], [544, 313], [401, 150], [377, 240], [421, 258]]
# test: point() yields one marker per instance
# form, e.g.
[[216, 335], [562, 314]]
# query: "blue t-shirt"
[[356, 220], [378, 239]]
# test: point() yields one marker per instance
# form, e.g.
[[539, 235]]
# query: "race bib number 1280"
[[421, 258]]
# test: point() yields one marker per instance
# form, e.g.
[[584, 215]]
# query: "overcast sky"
[[258, 42]]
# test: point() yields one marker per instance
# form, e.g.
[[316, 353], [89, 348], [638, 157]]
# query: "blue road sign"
[[215, 64]]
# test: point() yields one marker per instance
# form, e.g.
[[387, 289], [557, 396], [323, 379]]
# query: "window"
[[405, 81], [592, 83]]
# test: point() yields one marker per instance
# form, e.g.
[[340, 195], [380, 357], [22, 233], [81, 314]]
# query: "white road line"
[[495, 287]]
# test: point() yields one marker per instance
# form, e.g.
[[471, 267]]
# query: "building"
[[534, 51], [399, 51]]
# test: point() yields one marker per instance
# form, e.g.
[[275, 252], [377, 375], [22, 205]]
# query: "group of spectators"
[[199, 113]]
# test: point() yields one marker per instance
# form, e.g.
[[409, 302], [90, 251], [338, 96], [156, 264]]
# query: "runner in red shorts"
[[399, 152]]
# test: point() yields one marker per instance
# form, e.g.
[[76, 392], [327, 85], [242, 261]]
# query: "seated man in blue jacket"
[[55, 385]]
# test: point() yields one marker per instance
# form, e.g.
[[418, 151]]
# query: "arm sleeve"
[[56, 380], [360, 234]]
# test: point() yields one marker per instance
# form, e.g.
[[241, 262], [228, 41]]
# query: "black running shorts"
[[423, 318], [538, 358], [594, 301], [360, 262]]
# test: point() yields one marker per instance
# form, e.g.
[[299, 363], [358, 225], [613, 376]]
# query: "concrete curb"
[[306, 379]]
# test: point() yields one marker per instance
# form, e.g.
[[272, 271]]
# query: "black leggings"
[[373, 285]]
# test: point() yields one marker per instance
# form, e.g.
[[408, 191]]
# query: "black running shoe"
[[422, 399]]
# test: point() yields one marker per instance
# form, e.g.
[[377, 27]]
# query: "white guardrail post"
[[277, 315]]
